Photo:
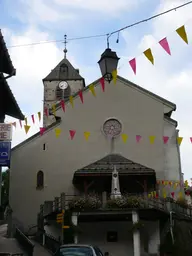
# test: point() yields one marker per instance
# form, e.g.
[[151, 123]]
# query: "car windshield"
[[76, 251]]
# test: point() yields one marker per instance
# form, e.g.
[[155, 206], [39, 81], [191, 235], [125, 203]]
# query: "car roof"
[[76, 245]]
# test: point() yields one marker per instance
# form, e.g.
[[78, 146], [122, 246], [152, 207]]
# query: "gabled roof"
[[127, 82], [8, 101], [123, 165], [57, 73], [6, 65]]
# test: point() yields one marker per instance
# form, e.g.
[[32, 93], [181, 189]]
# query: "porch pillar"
[[136, 235], [74, 219]]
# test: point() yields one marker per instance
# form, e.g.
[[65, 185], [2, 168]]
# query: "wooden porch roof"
[[6, 65], [123, 165]]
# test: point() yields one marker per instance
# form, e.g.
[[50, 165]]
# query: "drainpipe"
[[171, 225]]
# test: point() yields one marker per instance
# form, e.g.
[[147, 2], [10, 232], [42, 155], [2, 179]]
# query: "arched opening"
[[40, 180]]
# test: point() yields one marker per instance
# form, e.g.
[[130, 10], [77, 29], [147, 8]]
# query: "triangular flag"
[[33, 120], [26, 120], [191, 139], [72, 133], [165, 139], [124, 137], [71, 100], [152, 139], [57, 132], [188, 193], [14, 124], [86, 135], [179, 140], [173, 194], [163, 182], [63, 105], [182, 33], [164, 44], [54, 109], [46, 111], [42, 130], [39, 116], [149, 195], [164, 195], [114, 76], [26, 127], [149, 55], [102, 82], [20, 123], [186, 183], [81, 96], [138, 138], [92, 89], [133, 65], [180, 195]]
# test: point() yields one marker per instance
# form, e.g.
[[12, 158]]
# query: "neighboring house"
[[43, 167]]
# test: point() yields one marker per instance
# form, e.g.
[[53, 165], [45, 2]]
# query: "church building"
[[44, 166]]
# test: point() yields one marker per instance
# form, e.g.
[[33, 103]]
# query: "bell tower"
[[63, 81]]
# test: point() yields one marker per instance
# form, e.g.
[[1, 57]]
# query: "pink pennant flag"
[[32, 116], [132, 63], [72, 133], [173, 194], [165, 45], [102, 82], [165, 139], [42, 130], [81, 96], [20, 123], [191, 139], [138, 138], [46, 111], [63, 105]]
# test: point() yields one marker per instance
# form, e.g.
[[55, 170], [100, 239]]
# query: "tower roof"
[[63, 71]]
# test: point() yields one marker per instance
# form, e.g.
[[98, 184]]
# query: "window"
[[76, 251], [44, 146], [40, 180], [64, 69]]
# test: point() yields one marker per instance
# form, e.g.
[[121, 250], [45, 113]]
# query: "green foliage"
[[85, 203], [137, 226], [125, 202], [5, 188]]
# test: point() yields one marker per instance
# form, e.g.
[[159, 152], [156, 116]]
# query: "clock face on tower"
[[63, 85], [112, 128]]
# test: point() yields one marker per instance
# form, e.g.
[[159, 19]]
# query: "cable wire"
[[108, 35]]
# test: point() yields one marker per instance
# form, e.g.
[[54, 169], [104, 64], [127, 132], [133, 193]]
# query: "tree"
[[5, 188]]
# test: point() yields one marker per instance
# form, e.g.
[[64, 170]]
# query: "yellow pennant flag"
[[114, 76], [57, 132], [26, 127], [71, 101], [26, 120], [180, 195], [148, 54], [39, 116], [92, 89], [164, 195], [124, 137], [86, 135], [149, 195], [182, 33], [152, 139], [179, 140], [54, 109], [152, 194]]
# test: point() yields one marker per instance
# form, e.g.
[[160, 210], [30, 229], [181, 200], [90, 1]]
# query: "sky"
[[31, 21]]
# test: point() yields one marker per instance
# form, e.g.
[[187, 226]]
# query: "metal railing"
[[24, 241], [51, 243]]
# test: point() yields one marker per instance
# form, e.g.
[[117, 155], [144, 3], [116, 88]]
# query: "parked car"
[[78, 250]]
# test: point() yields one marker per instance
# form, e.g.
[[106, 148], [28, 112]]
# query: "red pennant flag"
[[164, 44], [138, 138], [81, 96], [162, 182], [63, 105], [102, 82], [42, 130], [191, 139], [32, 116], [20, 123], [173, 194], [165, 139], [156, 196], [72, 133], [46, 111], [188, 193], [133, 65]]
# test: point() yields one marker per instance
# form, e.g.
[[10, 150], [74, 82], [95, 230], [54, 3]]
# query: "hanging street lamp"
[[108, 63]]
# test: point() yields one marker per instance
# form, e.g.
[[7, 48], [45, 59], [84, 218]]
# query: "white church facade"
[[69, 166]]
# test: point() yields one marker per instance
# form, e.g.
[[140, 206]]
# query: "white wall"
[[140, 115]]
